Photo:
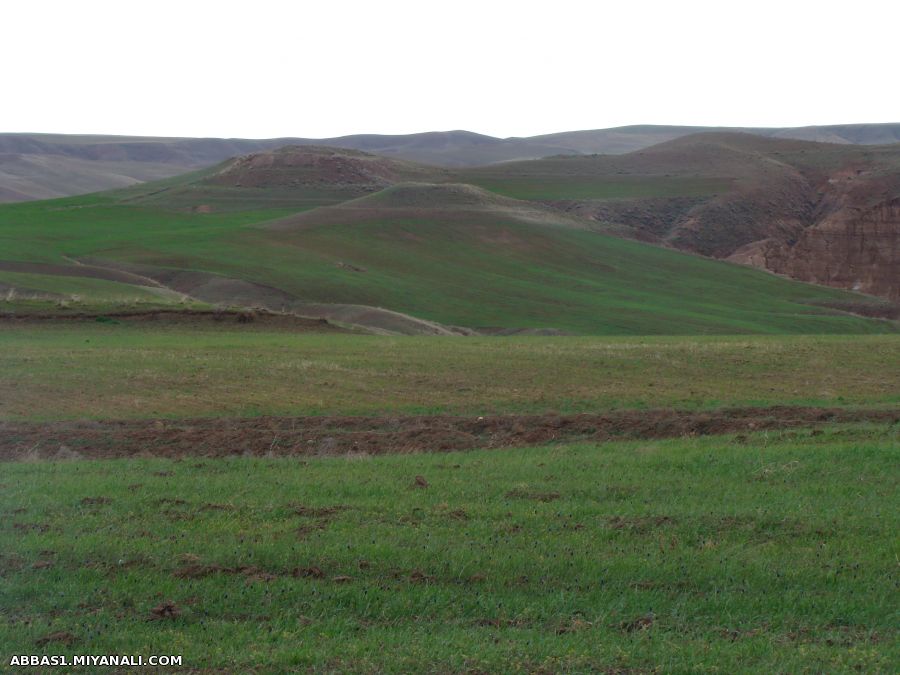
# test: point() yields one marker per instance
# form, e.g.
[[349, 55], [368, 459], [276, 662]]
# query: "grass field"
[[109, 370], [762, 553], [465, 267], [273, 535], [78, 289]]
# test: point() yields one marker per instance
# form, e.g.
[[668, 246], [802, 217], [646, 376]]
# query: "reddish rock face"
[[816, 212], [856, 248], [852, 241]]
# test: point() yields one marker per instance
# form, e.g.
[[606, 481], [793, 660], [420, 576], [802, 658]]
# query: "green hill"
[[441, 252]]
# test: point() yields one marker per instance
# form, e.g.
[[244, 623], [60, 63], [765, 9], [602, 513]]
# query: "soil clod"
[[63, 637], [165, 610], [381, 435]]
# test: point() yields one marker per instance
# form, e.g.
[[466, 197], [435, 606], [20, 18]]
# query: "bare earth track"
[[182, 317], [335, 435]]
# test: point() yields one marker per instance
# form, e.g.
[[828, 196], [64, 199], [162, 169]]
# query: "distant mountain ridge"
[[43, 166]]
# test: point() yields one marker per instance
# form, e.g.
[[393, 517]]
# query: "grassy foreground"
[[123, 370], [772, 552]]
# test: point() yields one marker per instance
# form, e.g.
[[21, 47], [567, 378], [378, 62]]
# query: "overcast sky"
[[317, 69]]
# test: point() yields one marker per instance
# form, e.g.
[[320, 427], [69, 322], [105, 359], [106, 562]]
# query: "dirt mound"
[[312, 166], [297, 436]]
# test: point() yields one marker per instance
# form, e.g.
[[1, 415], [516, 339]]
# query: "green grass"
[[95, 224], [96, 370], [476, 272], [767, 553], [76, 289], [452, 267], [554, 187]]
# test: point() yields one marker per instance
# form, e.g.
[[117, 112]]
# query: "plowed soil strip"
[[291, 436]]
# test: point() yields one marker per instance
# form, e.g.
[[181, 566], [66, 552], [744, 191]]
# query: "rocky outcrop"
[[826, 214], [780, 208], [854, 247]]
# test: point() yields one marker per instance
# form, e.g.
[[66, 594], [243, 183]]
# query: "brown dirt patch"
[[639, 524], [334, 435], [62, 637], [249, 319], [165, 610], [419, 577], [216, 507], [574, 625], [321, 167], [640, 623], [521, 493], [305, 530], [319, 511], [196, 570], [502, 623], [311, 572], [166, 501], [320, 515], [10, 563], [95, 501]]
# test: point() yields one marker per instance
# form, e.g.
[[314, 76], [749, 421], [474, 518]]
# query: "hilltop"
[[433, 202], [304, 166], [294, 176]]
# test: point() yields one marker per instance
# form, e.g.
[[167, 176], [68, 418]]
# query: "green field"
[[82, 289], [125, 370], [476, 267], [771, 552]]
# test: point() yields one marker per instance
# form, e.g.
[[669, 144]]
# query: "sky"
[[318, 69]]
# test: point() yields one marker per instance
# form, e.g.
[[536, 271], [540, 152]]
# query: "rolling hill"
[[41, 166], [820, 212], [390, 246], [623, 140]]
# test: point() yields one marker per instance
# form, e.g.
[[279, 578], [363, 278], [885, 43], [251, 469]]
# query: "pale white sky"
[[318, 69]]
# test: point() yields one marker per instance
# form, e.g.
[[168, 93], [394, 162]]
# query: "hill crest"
[[41, 166], [296, 165]]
